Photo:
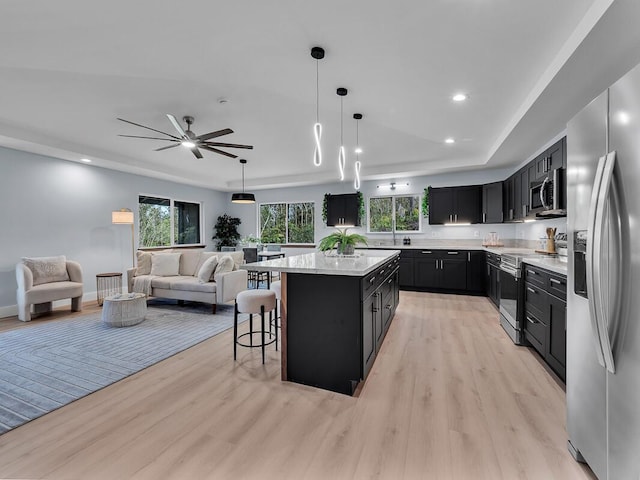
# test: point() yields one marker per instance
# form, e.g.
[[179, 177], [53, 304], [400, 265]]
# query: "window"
[[287, 222], [159, 228], [403, 210]]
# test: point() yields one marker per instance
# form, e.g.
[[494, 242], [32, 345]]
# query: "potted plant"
[[226, 231], [343, 242]]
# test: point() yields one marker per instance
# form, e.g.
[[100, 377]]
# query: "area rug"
[[46, 366]]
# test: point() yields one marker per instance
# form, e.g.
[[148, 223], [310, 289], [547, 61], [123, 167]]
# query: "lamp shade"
[[124, 216], [243, 198]]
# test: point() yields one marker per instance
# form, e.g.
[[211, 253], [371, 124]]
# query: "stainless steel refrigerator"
[[603, 298]]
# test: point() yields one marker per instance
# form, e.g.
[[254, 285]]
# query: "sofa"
[[182, 274], [42, 280]]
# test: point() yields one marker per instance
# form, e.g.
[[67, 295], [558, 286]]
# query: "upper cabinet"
[[343, 210], [492, 203], [552, 158], [455, 205]]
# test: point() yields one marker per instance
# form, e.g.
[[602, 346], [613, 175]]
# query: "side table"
[[108, 284]]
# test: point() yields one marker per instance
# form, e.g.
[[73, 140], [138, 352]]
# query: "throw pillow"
[[206, 270], [47, 269], [165, 264], [143, 263], [204, 256], [225, 264]]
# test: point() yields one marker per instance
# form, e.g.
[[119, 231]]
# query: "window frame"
[[172, 238], [286, 226], [393, 210]]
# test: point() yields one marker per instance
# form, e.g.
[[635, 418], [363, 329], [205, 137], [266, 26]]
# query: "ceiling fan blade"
[[227, 145], [215, 134], [196, 152], [150, 138], [177, 126], [148, 128], [169, 146], [215, 150]]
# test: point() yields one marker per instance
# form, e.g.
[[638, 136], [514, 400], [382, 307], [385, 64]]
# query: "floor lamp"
[[124, 216]]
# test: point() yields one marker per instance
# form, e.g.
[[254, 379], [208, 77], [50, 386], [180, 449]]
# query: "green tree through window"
[[405, 210], [156, 226], [287, 222]]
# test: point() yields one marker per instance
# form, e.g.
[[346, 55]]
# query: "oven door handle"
[[510, 270]]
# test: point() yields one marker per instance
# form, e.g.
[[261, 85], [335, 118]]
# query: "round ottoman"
[[124, 310]]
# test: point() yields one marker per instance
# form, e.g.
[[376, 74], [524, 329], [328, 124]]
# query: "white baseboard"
[[12, 310]]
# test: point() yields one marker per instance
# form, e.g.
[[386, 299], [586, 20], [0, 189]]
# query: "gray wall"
[[57, 207]]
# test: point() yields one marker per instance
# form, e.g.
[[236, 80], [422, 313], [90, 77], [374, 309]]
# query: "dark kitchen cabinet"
[[508, 198], [426, 270], [551, 159], [343, 210], [455, 205], [405, 275], [453, 273], [546, 316], [492, 203], [370, 318], [476, 262]]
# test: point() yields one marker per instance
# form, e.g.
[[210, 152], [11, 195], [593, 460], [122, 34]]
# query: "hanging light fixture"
[[243, 197], [342, 158], [318, 54], [357, 164]]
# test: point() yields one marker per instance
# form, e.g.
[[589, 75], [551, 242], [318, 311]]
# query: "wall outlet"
[[476, 233], [521, 235], [434, 234]]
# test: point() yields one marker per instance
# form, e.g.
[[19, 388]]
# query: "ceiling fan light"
[[187, 144], [242, 197]]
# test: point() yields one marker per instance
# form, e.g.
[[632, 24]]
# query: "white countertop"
[[320, 264], [554, 264]]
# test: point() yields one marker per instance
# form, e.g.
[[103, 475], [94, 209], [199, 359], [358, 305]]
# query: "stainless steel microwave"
[[545, 195]]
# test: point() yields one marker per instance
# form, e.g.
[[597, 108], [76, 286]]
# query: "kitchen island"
[[335, 313]]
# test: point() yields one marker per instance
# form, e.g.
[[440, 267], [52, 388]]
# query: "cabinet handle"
[[450, 218], [441, 264], [488, 270], [426, 251], [375, 309], [388, 306], [532, 320], [532, 272], [456, 215], [437, 265], [501, 216], [452, 253], [382, 272], [373, 279], [531, 290], [484, 218], [468, 256], [557, 282]]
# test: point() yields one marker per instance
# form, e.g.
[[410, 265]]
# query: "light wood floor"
[[449, 397]]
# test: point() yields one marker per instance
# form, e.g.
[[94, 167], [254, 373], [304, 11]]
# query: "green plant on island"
[[342, 241]]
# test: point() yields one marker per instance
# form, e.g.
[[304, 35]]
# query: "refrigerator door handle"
[[592, 264]]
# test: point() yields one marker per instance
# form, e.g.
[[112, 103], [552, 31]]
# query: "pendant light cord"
[[243, 178], [341, 118], [317, 93]]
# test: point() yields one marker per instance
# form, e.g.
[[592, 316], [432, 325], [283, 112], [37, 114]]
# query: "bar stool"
[[254, 302], [276, 287]]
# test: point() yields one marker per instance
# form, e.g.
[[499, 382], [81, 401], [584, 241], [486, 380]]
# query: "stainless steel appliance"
[[603, 324], [545, 195], [512, 297]]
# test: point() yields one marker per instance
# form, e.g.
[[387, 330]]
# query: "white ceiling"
[[68, 68]]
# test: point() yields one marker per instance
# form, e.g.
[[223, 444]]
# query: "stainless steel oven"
[[511, 297]]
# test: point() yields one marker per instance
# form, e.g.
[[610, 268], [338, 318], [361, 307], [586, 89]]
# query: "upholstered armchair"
[[42, 280]]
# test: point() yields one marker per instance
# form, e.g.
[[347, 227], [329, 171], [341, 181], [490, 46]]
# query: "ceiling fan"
[[190, 140]]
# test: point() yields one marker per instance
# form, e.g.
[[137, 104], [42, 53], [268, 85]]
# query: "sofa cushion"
[[225, 264], [206, 270], [48, 292], [204, 256], [192, 284], [189, 261], [165, 264], [143, 263], [165, 282], [47, 269]]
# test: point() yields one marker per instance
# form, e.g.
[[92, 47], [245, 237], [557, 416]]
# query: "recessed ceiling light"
[[188, 144], [459, 97], [85, 160], [449, 140]]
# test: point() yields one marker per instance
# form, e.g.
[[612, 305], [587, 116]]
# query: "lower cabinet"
[[458, 271], [378, 309], [546, 316]]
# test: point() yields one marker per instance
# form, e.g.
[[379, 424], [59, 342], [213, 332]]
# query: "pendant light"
[[243, 197], [357, 164], [318, 54], [342, 159]]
